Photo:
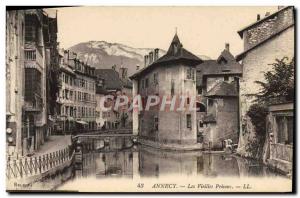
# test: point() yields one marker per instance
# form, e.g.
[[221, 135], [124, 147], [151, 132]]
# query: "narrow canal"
[[129, 165]]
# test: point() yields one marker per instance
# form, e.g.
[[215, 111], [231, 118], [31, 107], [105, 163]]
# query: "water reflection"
[[148, 162]]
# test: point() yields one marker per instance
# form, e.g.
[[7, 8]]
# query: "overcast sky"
[[202, 30]]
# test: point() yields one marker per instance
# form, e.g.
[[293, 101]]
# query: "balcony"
[[33, 59]]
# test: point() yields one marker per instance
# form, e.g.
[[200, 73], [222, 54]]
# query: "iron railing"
[[32, 166]]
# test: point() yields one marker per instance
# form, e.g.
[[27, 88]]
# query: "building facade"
[[35, 80], [66, 97], [266, 40], [86, 95], [117, 84], [77, 95], [218, 101], [15, 80], [280, 122], [31, 58], [172, 75], [102, 115], [50, 30]]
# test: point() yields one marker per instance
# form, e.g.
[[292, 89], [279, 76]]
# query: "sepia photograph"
[[150, 99]]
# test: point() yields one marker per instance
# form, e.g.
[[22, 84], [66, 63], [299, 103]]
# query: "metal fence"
[[31, 166]]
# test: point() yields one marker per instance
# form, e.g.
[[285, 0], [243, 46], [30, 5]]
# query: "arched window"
[[201, 107]]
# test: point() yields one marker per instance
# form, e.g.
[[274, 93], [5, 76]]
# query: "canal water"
[[123, 164]]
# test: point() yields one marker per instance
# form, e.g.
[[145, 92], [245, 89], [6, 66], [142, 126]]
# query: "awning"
[[82, 122]]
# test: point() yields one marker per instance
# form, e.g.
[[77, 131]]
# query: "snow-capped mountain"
[[104, 55]]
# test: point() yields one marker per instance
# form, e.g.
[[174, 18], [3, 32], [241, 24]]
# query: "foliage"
[[279, 83], [277, 87], [258, 114], [253, 148]]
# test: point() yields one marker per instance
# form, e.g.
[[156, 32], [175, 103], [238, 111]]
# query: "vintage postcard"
[[150, 99]]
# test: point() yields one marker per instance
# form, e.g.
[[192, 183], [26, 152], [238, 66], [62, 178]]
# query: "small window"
[[190, 73], [155, 78], [200, 124], [146, 83], [156, 123], [142, 84], [188, 100], [189, 121], [210, 102], [284, 129], [172, 87], [226, 78], [199, 90]]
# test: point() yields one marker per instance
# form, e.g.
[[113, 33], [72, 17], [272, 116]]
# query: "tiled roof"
[[67, 69], [216, 68], [242, 55], [278, 29], [101, 90], [240, 32], [176, 52], [111, 78], [223, 89]]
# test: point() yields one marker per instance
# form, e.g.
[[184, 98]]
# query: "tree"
[[277, 87], [279, 83]]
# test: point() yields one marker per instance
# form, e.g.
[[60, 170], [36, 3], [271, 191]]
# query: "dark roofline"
[[85, 74], [127, 86], [67, 71], [221, 96], [240, 32], [156, 63], [242, 55], [172, 55]]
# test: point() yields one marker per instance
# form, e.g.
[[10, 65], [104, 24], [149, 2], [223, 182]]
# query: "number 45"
[[140, 185]]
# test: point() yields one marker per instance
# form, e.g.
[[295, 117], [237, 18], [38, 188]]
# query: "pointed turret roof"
[[176, 39], [175, 53]]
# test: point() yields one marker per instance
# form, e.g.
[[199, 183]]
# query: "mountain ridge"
[[103, 54]]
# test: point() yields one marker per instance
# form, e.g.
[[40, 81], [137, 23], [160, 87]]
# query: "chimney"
[[66, 56], [267, 13], [146, 60], [156, 54], [123, 72], [150, 57], [74, 55], [227, 47], [258, 17], [137, 67], [113, 67]]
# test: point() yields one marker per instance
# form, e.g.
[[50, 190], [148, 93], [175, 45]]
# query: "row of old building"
[[31, 70], [67, 101], [224, 89], [50, 91], [81, 88]]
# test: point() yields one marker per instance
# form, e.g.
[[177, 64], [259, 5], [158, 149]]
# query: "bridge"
[[107, 133], [110, 138]]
